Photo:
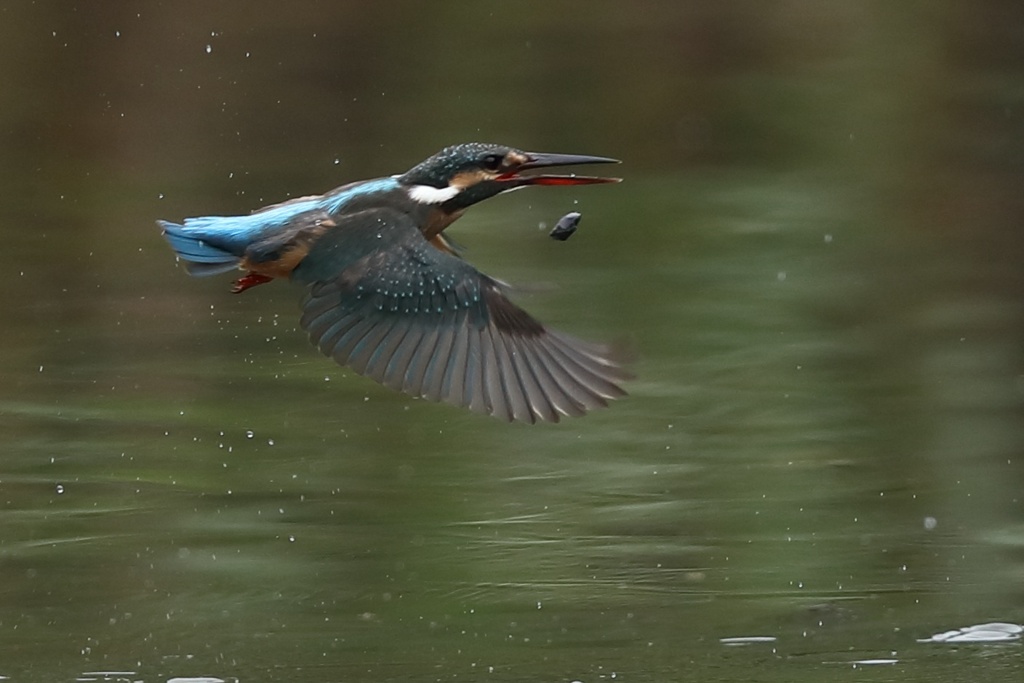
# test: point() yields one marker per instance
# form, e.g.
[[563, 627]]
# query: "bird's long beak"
[[543, 160]]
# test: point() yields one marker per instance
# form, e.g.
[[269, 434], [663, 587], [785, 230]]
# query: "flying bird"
[[390, 297]]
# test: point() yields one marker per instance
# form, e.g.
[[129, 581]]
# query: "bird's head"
[[462, 175]]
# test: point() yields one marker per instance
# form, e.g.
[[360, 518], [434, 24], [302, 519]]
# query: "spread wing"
[[386, 303]]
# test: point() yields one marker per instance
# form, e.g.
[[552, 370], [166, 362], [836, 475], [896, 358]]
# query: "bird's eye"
[[492, 162]]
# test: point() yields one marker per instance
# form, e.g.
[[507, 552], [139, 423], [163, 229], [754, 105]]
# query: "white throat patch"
[[425, 194]]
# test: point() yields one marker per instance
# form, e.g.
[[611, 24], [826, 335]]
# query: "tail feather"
[[199, 256]]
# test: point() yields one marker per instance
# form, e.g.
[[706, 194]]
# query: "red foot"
[[250, 280]]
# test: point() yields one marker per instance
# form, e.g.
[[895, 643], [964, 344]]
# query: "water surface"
[[815, 256]]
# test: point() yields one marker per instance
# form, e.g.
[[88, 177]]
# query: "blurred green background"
[[816, 253]]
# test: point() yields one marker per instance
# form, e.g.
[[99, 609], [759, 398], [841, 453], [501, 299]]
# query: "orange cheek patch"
[[469, 179]]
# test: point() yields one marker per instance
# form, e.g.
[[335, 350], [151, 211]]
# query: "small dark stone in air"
[[566, 226]]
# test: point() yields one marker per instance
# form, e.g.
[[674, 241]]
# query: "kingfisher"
[[389, 296]]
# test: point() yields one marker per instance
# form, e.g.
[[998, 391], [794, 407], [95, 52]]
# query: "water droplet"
[[249, 434], [209, 49], [60, 489]]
